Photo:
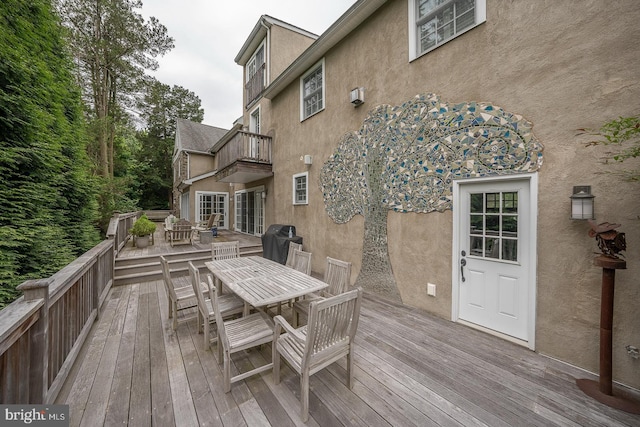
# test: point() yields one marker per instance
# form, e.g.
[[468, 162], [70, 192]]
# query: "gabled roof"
[[196, 137], [339, 30], [260, 31]]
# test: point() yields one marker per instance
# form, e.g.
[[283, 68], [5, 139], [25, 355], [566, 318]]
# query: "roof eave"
[[258, 34], [351, 19]]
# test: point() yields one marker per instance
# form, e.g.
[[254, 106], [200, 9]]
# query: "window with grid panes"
[[300, 193], [493, 223], [435, 22], [312, 91]]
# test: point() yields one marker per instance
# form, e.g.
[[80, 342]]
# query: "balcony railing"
[[245, 146], [255, 85]]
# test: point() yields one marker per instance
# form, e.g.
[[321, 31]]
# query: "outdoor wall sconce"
[[308, 160], [582, 202], [357, 96]]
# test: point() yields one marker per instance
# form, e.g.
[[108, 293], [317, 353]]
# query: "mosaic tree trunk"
[[376, 274], [405, 159]]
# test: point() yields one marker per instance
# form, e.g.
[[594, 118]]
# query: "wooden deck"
[[410, 369]]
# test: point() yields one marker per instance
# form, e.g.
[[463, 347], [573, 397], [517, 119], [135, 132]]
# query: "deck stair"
[[147, 268]]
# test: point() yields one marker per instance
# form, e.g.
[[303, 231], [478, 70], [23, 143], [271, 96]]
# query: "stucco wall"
[[286, 46], [563, 66], [200, 164]]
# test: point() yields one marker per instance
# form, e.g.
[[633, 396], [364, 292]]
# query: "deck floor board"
[[411, 368]]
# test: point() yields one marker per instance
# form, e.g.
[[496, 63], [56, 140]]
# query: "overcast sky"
[[208, 34]]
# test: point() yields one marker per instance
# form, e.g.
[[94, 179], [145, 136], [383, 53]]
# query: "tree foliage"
[[113, 46], [161, 107], [47, 200], [624, 134]]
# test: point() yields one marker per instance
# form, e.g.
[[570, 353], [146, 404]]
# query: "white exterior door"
[[494, 261]]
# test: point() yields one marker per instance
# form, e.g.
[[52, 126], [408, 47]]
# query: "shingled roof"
[[191, 136]]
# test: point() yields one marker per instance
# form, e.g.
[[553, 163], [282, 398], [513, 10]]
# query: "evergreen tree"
[[161, 107], [47, 199]]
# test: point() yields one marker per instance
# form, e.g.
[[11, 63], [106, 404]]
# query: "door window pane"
[[476, 203], [510, 250], [493, 225]]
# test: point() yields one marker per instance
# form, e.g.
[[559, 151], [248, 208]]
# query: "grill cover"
[[275, 242]]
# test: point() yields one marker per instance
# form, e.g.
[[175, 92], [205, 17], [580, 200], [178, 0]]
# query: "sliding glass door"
[[249, 211]]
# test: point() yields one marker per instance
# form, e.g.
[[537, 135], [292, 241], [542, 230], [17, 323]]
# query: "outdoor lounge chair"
[[213, 221], [181, 232], [230, 304], [336, 274], [327, 337]]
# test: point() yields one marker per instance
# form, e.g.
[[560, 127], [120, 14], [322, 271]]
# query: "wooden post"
[[38, 340], [602, 390]]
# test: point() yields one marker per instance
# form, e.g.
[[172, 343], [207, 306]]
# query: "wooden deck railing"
[[245, 146], [42, 332], [255, 85], [119, 227]]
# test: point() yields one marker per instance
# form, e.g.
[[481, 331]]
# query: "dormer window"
[[255, 75]]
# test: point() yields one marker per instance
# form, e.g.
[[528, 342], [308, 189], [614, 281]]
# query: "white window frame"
[[480, 14], [224, 217], [251, 63], [318, 65], [259, 209], [295, 200], [254, 120]]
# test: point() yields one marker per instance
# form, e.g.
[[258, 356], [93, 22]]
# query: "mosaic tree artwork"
[[404, 158]]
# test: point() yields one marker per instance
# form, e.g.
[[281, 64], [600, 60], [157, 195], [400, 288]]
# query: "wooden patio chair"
[[214, 219], [180, 298], [225, 250], [230, 304], [240, 334], [181, 232], [302, 261], [337, 274], [327, 337], [292, 247], [168, 224]]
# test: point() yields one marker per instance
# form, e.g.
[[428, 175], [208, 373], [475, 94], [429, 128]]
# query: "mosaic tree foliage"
[[405, 158]]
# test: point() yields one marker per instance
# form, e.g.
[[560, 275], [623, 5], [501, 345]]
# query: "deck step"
[[147, 268]]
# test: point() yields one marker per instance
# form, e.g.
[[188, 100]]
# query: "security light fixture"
[[357, 96]]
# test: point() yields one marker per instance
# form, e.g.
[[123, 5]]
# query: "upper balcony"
[[255, 85], [243, 157]]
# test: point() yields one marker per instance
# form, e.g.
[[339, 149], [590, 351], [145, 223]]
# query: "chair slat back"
[[332, 324], [225, 250], [302, 261], [292, 247], [337, 275], [181, 230], [222, 332], [194, 273], [214, 218], [166, 278]]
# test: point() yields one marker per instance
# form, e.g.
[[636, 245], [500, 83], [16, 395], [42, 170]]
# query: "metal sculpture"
[[610, 241]]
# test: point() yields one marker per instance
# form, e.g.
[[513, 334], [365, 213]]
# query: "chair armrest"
[[281, 323]]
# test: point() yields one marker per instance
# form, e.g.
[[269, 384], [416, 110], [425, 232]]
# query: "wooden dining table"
[[261, 282]]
